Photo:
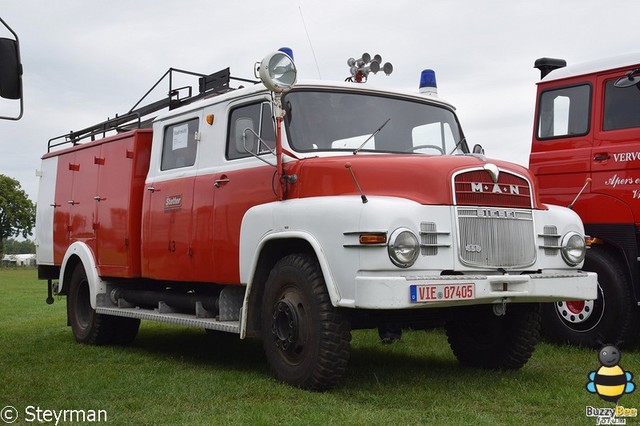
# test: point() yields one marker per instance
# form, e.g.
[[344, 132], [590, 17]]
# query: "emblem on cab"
[[473, 248]]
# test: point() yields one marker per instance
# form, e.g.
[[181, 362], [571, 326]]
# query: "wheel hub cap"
[[575, 311], [285, 325]]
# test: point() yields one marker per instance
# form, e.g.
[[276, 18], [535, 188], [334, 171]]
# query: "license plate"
[[442, 292]]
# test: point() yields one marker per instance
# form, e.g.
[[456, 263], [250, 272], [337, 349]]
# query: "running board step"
[[173, 318]]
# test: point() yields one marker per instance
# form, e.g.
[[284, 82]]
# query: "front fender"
[[332, 288], [321, 222]]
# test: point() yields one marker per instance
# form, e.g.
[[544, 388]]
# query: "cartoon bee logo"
[[610, 381]]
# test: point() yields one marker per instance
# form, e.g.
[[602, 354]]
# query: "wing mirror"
[[10, 71]]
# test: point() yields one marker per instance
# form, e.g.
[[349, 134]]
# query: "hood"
[[422, 178]]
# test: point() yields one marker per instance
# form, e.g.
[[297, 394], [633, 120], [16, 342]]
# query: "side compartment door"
[[62, 202], [562, 141], [83, 204], [167, 250], [123, 168], [111, 198]]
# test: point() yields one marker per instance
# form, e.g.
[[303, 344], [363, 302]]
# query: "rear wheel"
[[306, 339], [611, 318], [90, 327], [482, 339]]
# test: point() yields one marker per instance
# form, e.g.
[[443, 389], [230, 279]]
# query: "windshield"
[[351, 121]]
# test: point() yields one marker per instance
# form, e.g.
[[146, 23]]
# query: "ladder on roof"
[[209, 85]]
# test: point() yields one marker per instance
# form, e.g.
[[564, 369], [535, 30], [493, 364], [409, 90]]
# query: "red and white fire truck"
[[296, 212], [586, 138]]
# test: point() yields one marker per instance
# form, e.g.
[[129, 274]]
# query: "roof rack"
[[209, 85]]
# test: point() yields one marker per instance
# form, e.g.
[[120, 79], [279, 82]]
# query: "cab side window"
[[564, 112], [245, 124], [621, 107], [180, 146]]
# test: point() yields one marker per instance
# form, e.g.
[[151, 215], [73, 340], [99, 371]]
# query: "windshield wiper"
[[457, 145], [355, 151]]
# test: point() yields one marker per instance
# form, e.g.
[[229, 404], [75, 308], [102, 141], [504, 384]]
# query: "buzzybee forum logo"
[[610, 382]]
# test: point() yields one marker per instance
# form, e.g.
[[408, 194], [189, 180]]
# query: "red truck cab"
[[587, 136]]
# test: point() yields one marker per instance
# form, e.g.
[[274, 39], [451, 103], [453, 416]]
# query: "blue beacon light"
[[286, 50], [428, 84]]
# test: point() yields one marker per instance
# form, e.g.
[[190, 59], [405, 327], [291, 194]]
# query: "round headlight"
[[403, 247], [574, 248], [278, 71]]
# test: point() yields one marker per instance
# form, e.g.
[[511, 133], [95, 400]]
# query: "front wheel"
[[306, 340], [482, 339], [611, 318]]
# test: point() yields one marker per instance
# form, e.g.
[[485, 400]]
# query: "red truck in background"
[[587, 137], [296, 212]]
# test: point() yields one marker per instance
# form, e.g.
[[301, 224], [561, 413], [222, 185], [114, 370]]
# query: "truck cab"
[[586, 141]]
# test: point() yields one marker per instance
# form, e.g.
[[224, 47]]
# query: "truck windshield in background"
[[349, 121], [564, 112]]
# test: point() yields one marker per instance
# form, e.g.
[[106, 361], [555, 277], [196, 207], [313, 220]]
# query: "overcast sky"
[[87, 60]]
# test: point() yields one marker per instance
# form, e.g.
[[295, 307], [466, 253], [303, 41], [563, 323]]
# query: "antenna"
[[587, 182], [310, 44], [353, 176]]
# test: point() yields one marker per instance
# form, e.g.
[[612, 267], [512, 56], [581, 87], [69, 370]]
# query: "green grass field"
[[173, 375]]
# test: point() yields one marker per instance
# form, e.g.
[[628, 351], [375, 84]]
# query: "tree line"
[[17, 215], [12, 246]]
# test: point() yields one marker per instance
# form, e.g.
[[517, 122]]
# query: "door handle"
[[219, 182], [601, 156]]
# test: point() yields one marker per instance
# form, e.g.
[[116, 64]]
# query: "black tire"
[[610, 319], [90, 327], [485, 340], [306, 340], [125, 329]]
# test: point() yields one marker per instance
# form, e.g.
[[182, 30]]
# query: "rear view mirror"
[[632, 78], [10, 87], [10, 71], [478, 149], [245, 135]]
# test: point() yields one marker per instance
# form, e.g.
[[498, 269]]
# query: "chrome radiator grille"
[[496, 237], [476, 187]]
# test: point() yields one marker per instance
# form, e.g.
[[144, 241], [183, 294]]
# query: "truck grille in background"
[[496, 237], [476, 188]]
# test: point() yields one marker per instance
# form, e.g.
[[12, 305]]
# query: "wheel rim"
[[289, 327], [285, 325], [82, 305], [582, 316]]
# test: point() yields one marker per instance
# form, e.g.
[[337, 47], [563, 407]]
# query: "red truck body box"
[[98, 200]]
